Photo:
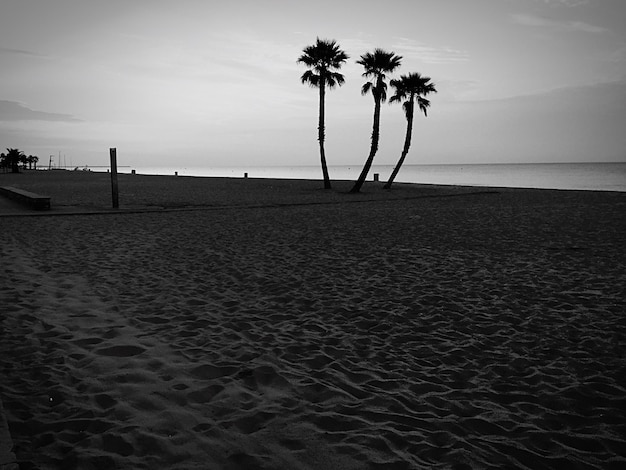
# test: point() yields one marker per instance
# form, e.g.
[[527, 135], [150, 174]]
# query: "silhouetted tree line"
[[325, 57], [15, 158]]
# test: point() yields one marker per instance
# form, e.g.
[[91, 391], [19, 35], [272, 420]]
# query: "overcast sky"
[[204, 83]]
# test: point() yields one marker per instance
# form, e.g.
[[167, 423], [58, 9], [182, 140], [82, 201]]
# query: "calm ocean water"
[[583, 176]]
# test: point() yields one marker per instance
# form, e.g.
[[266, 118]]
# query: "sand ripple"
[[454, 334]]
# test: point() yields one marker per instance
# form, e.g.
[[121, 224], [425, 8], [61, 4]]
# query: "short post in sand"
[[114, 190]]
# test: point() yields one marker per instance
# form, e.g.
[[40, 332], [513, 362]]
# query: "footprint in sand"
[[293, 444], [86, 342], [105, 401], [117, 445], [206, 394], [208, 371], [263, 377], [124, 350]]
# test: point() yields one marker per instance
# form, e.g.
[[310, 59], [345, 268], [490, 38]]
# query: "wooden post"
[[114, 190]]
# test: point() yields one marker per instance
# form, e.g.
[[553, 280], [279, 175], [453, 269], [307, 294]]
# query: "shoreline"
[[575, 179], [382, 181], [296, 328], [576, 176]]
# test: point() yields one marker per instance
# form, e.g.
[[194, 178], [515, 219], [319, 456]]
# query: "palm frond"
[[408, 108], [413, 86], [310, 78], [377, 64], [401, 92], [367, 86], [423, 104], [323, 58], [379, 61], [382, 91], [334, 78]]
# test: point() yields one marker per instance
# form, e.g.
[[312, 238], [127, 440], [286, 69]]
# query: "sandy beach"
[[216, 323]]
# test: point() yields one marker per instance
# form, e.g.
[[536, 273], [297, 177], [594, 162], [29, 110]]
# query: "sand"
[[264, 324]]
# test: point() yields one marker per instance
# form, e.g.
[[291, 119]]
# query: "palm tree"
[[14, 157], [31, 159], [410, 88], [376, 65], [322, 59]]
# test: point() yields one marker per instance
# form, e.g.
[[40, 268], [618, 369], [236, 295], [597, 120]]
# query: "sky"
[[196, 83]]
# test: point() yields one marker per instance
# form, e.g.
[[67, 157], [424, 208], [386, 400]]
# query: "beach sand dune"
[[297, 329]]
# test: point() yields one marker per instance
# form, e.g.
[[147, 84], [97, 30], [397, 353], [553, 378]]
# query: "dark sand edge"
[[88, 193]]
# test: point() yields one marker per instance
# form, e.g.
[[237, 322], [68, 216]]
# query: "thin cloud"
[[455, 90], [22, 52], [416, 50], [541, 22], [356, 46], [567, 3], [13, 111]]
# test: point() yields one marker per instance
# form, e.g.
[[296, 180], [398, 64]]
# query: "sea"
[[578, 176]]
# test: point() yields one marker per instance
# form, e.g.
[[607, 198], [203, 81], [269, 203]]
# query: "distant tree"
[[14, 157], [410, 88], [3, 161], [31, 159], [323, 59], [377, 65]]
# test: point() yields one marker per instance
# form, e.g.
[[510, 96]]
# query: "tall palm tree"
[[410, 88], [323, 59], [14, 157], [377, 65]]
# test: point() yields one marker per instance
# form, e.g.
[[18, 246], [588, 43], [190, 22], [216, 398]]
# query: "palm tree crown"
[[377, 65], [14, 156], [323, 58], [412, 87]]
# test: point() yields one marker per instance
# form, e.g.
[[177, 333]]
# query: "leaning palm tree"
[[323, 59], [376, 65], [410, 88]]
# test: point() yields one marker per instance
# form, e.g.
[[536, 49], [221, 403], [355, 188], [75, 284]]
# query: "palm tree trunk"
[[373, 149], [405, 149], [321, 135]]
